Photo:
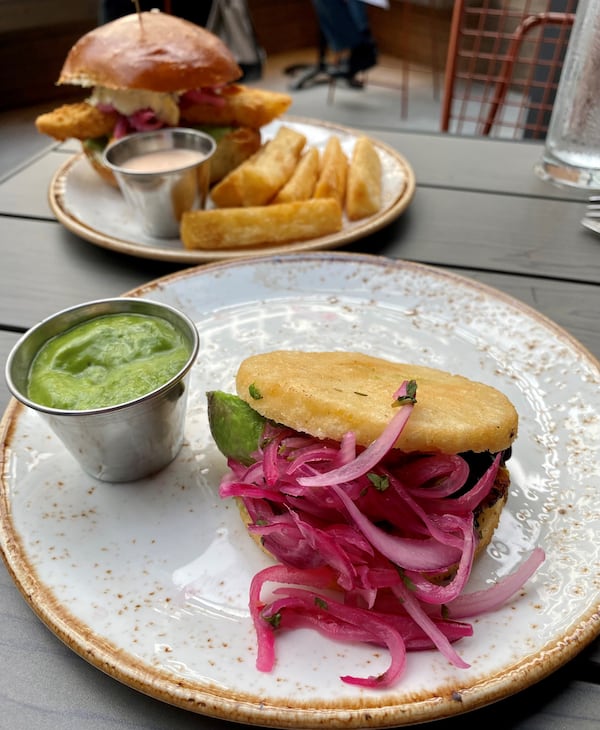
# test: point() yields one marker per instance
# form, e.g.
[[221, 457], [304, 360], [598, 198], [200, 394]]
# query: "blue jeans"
[[344, 23]]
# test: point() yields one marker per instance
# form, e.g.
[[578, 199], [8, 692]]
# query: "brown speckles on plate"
[[149, 581]]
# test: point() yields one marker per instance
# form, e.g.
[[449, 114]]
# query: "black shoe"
[[362, 57], [355, 83], [339, 70], [342, 71]]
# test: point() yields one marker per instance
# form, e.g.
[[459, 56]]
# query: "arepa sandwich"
[[374, 486]]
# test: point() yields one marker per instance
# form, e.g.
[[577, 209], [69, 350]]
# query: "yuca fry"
[[333, 173], [304, 178], [257, 180], [232, 228], [363, 192]]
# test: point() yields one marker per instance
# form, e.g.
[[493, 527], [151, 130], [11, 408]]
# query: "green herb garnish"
[[381, 483], [411, 394], [408, 582], [274, 620], [255, 393]]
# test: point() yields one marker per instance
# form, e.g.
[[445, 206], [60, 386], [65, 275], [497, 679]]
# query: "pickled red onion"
[[367, 459], [201, 96], [362, 535]]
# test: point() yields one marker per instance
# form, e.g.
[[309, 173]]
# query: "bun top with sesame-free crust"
[[153, 51]]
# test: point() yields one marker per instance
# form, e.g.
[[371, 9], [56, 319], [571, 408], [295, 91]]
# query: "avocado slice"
[[236, 427]]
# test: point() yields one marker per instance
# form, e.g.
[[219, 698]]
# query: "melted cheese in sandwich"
[[128, 101]]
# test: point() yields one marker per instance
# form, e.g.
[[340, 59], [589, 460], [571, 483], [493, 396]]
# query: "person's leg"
[[363, 54], [345, 25], [358, 12], [338, 22]]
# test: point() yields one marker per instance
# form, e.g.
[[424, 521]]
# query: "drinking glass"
[[571, 154]]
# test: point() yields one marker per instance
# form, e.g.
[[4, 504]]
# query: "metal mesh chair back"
[[503, 67]]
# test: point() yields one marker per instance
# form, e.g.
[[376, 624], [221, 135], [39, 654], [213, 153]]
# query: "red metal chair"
[[503, 66]]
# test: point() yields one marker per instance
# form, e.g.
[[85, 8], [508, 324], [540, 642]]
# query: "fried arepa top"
[[327, 394], [153, 51]]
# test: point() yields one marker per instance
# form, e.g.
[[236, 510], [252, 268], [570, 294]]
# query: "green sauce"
[[105, 361]]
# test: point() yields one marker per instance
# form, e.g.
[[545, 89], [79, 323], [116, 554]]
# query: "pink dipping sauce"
[[163, 160]]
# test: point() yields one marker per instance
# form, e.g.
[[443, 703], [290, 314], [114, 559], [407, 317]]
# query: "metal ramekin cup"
[[159, 199], [117, 443]]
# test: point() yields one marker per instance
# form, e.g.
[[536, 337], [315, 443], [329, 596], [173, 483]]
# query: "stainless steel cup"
[[117, 443], [159, 199]]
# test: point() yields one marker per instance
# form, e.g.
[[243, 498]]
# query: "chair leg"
[[309, 74], [405, 58], [331, 89], [435, 65]]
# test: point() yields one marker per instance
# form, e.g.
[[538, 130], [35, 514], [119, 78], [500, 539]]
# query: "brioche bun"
[[326, 394], [153, 51]]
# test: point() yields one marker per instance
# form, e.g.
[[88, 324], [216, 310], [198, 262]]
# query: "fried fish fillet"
[[241, 106], [78, 121], [327, 394], [84, 121]]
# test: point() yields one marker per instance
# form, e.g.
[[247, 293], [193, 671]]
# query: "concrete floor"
[[378, 104], [373, 106]]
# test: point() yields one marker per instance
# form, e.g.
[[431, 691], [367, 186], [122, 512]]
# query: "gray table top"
[[478, 210]]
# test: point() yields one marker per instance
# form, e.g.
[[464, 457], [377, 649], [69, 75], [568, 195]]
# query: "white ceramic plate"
[[98, 213], [149, 581]]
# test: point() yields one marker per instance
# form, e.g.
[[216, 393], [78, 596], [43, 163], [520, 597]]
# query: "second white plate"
[[95, 211]]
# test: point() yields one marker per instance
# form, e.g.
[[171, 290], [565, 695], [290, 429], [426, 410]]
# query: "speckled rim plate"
[[149, 581], [97, 213]]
